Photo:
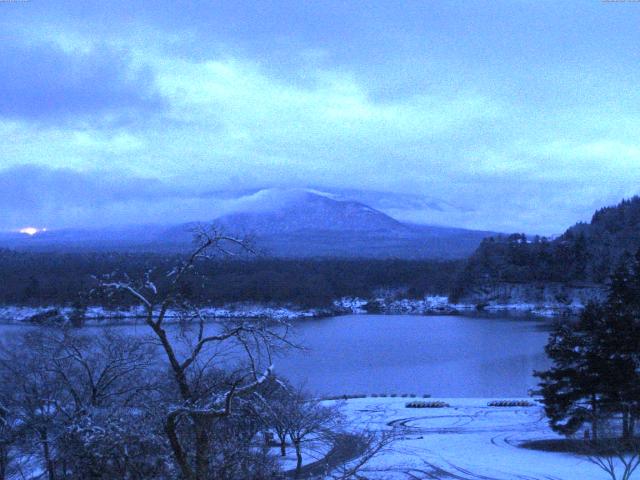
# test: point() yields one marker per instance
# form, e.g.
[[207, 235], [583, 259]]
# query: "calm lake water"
[[445, 356], [450, 356]]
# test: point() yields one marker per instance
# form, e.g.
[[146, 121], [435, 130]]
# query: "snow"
[[440, 304], [312, 451], [353, 305], [429, 305], [468, 440], [94, 314]]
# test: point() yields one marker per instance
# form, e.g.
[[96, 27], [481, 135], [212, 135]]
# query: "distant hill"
[[585, 253], [292, 223]]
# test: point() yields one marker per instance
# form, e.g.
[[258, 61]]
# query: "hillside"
[[583, 257]]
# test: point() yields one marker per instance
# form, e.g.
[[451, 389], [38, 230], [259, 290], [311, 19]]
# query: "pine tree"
[[623, 342], [596, 361], [572, 388]]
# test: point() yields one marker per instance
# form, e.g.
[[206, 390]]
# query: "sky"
[[497, 115]]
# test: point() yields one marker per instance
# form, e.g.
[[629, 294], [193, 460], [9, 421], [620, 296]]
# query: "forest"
[[38, 278], [586, 252]]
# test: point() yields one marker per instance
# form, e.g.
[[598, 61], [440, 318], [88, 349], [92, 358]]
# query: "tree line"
[[584, 253], [38, 278]]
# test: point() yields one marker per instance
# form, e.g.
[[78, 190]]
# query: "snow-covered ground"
[[312, 451], [468, 440]]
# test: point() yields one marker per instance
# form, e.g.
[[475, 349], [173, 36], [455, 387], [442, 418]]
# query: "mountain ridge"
[[284, 223]]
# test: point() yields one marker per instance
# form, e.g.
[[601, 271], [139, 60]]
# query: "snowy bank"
[[441, 305], [541, 298], [97, 314], [429, 305]]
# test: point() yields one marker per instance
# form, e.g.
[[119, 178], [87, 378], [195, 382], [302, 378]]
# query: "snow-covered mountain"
[[283, 222], [277, 211]]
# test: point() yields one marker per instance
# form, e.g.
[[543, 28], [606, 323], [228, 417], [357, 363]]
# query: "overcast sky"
[[504, 115]]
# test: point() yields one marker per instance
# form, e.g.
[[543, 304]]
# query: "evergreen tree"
[[596, 361], [623, 342], [572, 388]]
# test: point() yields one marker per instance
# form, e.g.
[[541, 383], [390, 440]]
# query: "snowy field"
[[469, 440]]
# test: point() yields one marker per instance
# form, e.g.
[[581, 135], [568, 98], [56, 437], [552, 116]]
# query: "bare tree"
[[276, 405], [36, 399], [290, 413], [619, 458], [67, 394], [7, 438], [308, 419], [97, 370], [189, 423], [368, 445]]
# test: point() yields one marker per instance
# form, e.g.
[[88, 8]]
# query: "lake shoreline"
[[427, 306]]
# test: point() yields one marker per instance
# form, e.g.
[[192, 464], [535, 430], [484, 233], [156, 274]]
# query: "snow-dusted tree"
[[203, 398], [107, 443], [367, 445], [240, 450], [60, 381], [38, 402], [307, 420], [275, 405]]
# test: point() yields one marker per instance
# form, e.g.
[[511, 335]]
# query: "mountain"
[[307, 223], [284, 223], [289, 211]]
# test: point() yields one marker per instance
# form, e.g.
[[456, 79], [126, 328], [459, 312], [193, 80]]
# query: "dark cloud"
[[41, 82]]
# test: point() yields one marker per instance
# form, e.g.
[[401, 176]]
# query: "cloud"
[[230, 117], [242, 97], [45, 83], [464, 115], [36, 194]]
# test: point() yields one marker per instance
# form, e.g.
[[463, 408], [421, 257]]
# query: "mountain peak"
[[273, 211]]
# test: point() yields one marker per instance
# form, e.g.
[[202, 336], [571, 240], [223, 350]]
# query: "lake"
[[445, 356]]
